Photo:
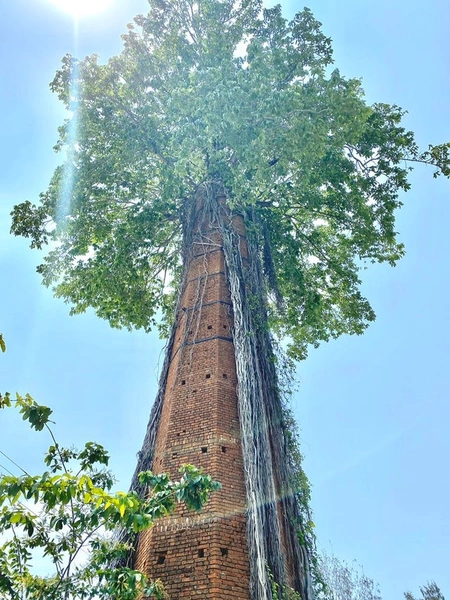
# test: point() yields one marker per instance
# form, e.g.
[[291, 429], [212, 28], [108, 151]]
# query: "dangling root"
[[273, 515]]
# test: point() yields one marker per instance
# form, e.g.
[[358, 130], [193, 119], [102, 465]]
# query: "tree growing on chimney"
[[222, 125]]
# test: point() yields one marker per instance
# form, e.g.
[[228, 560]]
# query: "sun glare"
[[82, 8]]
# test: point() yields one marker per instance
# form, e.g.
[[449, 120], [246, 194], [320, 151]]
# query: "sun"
[[82, 8]]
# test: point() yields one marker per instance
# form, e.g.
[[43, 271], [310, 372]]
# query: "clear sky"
[[373, 410]]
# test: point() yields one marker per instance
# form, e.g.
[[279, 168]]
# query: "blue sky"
[[373, 410]]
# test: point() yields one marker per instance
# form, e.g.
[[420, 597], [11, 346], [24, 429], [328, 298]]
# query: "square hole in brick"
[[224, 326], [224, 551], [161, 558], [183, 382], [208, 376], [224, 449], [204, 449], [201, 552], [225, 376], [174, 454], [209, 326]]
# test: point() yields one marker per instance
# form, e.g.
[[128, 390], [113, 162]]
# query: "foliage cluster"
[[282, 592], [345, 582], [67, 517], [430, 591], [234, 93]]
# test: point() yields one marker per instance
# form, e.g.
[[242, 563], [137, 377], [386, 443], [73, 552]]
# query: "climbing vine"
[[272, 460]]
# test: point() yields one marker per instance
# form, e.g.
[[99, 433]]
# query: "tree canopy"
[[228, 92], [430, 591], [344, 581]]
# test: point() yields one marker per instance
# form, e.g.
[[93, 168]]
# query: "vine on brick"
[[272, 460]]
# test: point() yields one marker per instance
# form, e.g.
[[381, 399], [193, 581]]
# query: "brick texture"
[[202, 555]]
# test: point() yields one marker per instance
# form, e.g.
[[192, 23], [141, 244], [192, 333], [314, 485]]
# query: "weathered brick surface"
[[204, 555]]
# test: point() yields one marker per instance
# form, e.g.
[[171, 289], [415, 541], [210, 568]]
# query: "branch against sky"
[[430, 591], [65, 519]]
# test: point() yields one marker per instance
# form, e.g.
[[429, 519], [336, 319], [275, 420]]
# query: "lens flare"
[[82, 8], [69, 171]]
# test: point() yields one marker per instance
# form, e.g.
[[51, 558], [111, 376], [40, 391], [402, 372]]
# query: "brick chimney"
[[202, 555]]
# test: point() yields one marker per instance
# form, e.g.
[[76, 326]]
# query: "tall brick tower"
[[197, 419], [202, 556]]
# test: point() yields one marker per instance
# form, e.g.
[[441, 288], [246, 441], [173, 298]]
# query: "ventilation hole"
[[225, 376], [194, 391], [209, 326], [201, 552], [184, 430], [161, 558], [224, 551], [183, 382], [204, 449], [178, 435], [224, 326], [224, 449], [174, 454], [208, 376]]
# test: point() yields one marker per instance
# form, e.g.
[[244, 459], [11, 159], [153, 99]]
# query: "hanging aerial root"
[[273, 515], [272, 506]]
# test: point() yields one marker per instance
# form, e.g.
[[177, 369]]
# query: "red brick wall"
[[202, 555]]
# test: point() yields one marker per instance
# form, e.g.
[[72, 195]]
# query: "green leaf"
[[16, 518], [5, 400], [37, 415]]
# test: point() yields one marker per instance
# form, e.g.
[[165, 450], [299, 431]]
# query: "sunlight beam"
[[82, 8]]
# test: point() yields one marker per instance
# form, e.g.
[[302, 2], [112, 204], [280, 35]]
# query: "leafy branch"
[[71, 509]]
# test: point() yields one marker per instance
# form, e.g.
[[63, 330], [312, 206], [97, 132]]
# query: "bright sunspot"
[[81, 8]]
